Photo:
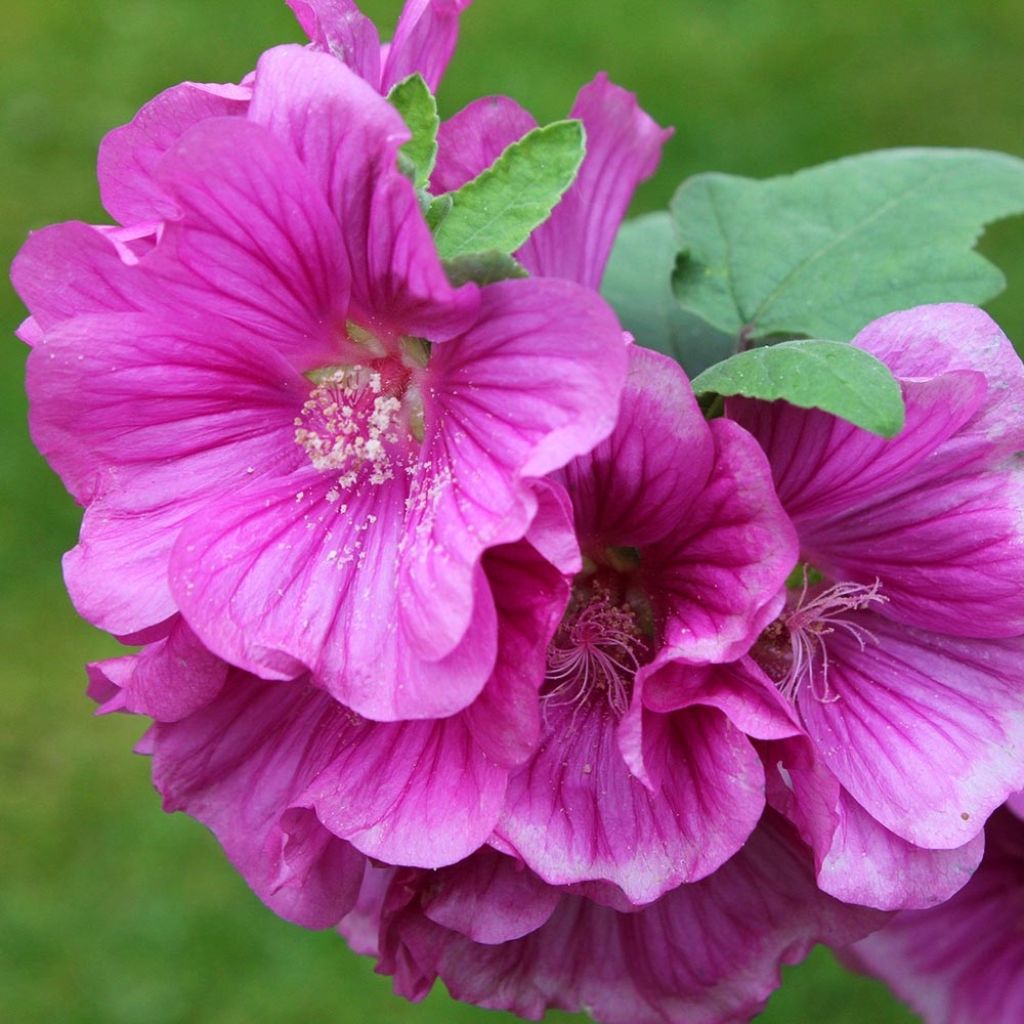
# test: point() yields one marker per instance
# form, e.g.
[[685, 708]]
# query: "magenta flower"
[[706, 953], [282, 420], [961, 962], [904, 658], [646, 777]]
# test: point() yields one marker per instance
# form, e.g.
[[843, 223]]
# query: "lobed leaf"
[[824, 251]]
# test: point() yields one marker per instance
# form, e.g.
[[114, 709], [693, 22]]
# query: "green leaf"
[[825, 251], [499, 208], [413, 100], [483, 268], [828, 375], [637, 284]]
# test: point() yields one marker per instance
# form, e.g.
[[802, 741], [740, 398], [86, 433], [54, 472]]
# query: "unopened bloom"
[[283, 421], [901, 647], [961, 962]]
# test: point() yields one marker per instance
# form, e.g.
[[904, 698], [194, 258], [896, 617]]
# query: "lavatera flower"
[[282, 420], [900, 646]]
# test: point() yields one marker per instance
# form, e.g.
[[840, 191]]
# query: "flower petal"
[[932, 340], [255, 244], [411, 793], [293, 575], [146, 421], [577, 814], [530, 597], [718, 575], [823, 466], [71, 269], [130, 154], [490, 898], [339, 28], [167, 681], [347, 137], [761, 909], [948, 553], [623, 149], [424, 41], [961, 962], [635, 487], [926, 732], [238, 766]]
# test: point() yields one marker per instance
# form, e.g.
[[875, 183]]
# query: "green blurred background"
[[111, 911]]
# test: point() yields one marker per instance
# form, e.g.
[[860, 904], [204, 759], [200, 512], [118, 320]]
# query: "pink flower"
[[282, 420], [646, 776], [903, 651], [706, 953], [961, 962]]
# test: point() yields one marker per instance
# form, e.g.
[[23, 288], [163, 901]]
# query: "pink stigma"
[[793, 649], [596, 650]]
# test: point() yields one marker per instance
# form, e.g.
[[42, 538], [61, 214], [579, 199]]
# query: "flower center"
[[362, 419], [793, 650], [597, 650]]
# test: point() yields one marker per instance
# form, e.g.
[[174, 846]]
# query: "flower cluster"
[[461, 626]]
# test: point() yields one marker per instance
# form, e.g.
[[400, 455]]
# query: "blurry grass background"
[[112, 912]]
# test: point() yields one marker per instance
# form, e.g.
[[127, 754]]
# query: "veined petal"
[[868, 865], [716, 578], [948, 553], [823, 466], [67, 270], [932, 340], [530, 596], [298, 574], [761, 909], [146, 421], [961, 962], [926, 732], [424, 41], [167, 680], [635, 487], [347, 137], [623, 149], [490, 899], [238, 765], [577, 814], [413, 793], [130, 154], [256, 243]]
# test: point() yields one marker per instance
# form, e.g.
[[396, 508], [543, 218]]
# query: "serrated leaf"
[[483, 268], [414, 101], [637, 283], [828, 375], [499, 208], [825, 251]]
